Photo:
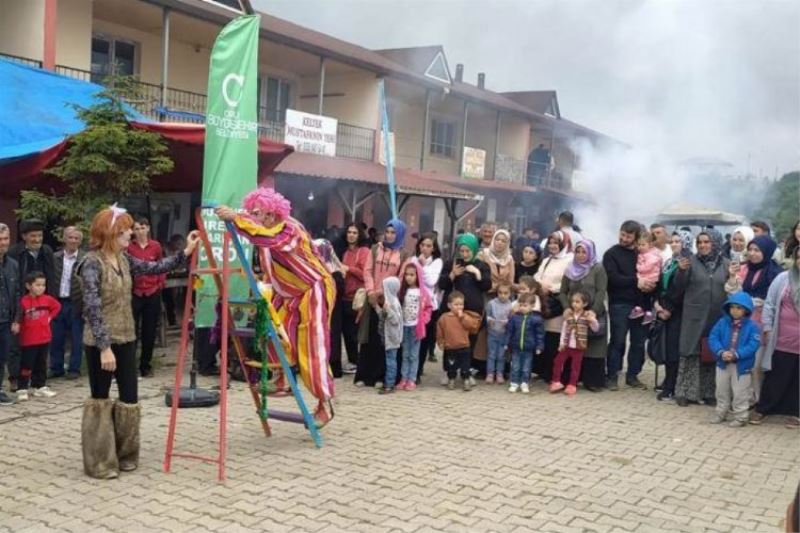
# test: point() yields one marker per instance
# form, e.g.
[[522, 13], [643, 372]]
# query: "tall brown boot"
[[126, 430], [97, 439]]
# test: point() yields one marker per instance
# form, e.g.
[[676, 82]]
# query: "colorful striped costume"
[[304, 294]]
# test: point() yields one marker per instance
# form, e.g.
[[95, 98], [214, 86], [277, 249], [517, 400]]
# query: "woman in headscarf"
[[669, 309], [585, 273], [740, 239], [780, 320], [550, 277], [530, 259], [385, 260], [754, 277], [499, 259], [501, 264], [700, 281], [468, 275]]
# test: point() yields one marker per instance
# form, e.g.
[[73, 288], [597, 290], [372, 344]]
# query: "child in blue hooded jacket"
[[734, 340], [525, 336]]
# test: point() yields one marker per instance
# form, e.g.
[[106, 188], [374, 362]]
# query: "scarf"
[[400, 229], [503, 258], [577, 271], [712, 259], [671, 266], [470, 241], [747, 233], [564, 244], [755, 284]]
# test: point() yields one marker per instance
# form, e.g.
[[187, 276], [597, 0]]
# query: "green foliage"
[[106, 162], [780, 205]]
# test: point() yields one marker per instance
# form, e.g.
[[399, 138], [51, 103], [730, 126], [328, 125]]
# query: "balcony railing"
[[22, 60], [541, 175], [355, 142]]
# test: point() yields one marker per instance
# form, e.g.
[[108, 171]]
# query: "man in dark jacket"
[[32, 255], [9, 305], [623, 286], [68, 323]]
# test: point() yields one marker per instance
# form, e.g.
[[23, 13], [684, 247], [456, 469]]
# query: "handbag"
[[554, 307], [657, 342], [602, 330], [706, 355], [359, 299]]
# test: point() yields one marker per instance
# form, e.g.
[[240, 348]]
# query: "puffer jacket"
[[748, 342], [526, 332]]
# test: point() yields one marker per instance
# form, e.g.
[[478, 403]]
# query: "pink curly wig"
[[269, 201]]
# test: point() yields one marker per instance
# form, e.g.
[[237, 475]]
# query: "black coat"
[[44, 263], [467, 284], [10, 291]]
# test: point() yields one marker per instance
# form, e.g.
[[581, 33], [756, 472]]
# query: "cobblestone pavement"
[[429, 460]]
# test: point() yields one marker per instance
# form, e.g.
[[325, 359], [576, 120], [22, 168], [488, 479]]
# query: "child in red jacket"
[[38, 310]]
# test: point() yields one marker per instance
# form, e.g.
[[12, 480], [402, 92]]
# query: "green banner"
[[230, 160]]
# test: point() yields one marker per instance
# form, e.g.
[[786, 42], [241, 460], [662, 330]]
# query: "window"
[[443, 138], [108, 51], [274, 97]]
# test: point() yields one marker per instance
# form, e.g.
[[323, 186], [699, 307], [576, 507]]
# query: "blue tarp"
[[34, 109]]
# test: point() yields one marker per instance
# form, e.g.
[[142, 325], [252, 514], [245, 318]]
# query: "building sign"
[[309, 133], [474, 163], [580, 181]]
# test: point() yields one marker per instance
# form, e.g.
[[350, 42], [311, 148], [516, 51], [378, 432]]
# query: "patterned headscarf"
[[712, 259], [671, 266], [577, 271]]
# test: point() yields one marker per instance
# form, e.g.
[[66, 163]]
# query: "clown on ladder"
[[303, 288]]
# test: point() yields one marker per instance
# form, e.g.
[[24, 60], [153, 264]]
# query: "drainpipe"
[[425, 129], [463, 139], [164, 56], [321, 83]]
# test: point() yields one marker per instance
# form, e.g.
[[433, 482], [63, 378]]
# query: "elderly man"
[[68, 323], [32, 255], [9, 301]]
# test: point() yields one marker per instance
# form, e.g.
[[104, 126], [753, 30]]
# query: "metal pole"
[[496, 144], [425, 122], [463, 139], [164, 54], [321, 82]]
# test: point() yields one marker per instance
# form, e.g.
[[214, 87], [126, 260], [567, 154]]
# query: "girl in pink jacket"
[[648, 268]]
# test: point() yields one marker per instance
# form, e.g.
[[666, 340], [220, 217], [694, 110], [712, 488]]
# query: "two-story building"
[[463, 154]]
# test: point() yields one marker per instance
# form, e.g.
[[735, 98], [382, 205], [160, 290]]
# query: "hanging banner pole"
[[230, 158], [387, 151]]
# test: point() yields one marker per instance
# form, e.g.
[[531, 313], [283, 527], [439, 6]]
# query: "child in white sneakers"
[[38, 310], [525, 336]]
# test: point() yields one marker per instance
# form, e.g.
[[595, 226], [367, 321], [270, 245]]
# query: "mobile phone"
[[460, 262]]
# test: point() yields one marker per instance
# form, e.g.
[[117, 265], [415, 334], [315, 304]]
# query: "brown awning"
[[339, 168]]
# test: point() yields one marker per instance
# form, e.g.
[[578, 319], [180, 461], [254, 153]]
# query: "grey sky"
[[716, 78]]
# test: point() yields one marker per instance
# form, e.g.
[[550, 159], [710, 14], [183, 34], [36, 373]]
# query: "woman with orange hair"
[[110, 430]]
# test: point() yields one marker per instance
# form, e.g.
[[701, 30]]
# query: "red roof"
[[339, 168]]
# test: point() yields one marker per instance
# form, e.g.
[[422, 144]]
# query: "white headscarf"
[[503, 258]]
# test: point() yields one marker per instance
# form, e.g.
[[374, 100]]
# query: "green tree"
[[106, 162], [780, 205]]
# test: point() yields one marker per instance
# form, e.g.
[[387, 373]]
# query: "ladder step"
[[257, 364], [285, 416], [243, 332], [243, 301], [214, 271]]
